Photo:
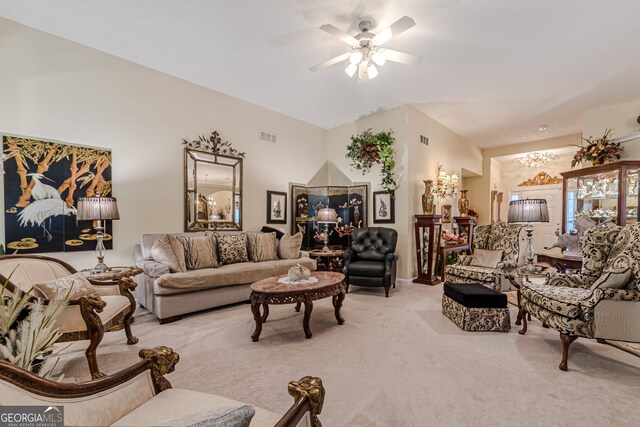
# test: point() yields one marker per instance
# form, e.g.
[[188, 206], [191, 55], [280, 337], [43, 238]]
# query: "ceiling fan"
[[366, 48]]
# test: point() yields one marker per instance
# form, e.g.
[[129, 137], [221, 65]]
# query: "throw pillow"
[[199, 252], [227, 416], [289, 246], [232, 248], [267, 229], [262, 247], [76, 285], [486, 258], [613, 279], [168, 250]]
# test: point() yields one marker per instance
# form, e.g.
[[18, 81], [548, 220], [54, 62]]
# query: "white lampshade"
[[379, 57], [528, 211], [94, 208], [372, 71], [355, 57], [351, 70], [327, 215]]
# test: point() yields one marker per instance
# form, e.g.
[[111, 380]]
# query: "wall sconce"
[[446, 185]]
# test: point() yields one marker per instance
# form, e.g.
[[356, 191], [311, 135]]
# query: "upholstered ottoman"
[[474, 307]]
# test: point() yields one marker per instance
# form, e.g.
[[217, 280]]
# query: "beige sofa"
[[171, 295], [140, 395]]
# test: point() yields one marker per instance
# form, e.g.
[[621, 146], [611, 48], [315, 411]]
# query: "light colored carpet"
[[396, 361]]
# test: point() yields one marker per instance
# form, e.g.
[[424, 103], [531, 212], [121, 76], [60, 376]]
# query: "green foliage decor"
[[368, 148]]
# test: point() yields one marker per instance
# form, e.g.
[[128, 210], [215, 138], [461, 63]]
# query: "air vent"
[[424, 140], [266, 136]]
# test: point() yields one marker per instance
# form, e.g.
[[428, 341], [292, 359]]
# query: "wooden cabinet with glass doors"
[[603, 193]]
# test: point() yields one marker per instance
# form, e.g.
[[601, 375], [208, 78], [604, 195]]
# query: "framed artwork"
[[42, 183], [446, 213], [383, 208], [276, 207]]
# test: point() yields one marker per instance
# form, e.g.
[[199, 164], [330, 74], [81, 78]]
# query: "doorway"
[[543, 233]]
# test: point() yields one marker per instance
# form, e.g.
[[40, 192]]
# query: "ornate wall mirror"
[[213, 191]]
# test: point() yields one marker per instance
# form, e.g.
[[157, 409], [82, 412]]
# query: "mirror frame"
[[211, 225]]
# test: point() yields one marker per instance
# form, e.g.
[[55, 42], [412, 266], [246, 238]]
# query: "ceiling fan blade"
[[332, 61], [398, 27], [330, 29], [401, 57]]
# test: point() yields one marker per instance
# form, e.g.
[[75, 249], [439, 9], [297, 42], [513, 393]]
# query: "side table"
[[332, 256], [561, 262], [525, 276]]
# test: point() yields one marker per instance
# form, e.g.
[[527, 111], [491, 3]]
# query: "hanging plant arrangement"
[[368, 148]]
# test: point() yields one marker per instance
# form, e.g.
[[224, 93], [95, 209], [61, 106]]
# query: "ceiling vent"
[[266, 136]]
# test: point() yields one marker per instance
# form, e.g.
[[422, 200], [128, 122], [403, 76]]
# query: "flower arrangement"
[[598, 150], [473, 212], [368, 148]]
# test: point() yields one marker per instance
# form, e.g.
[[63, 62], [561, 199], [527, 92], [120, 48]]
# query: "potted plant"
[[368, 148], [598, 150]]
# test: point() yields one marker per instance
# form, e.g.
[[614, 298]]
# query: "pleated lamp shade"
[[93, 208], [327, 215], [527, 211]]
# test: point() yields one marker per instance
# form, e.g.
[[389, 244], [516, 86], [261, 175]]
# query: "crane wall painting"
[[42, 183]]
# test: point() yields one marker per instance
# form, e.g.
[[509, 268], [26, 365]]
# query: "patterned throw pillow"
[[78, 283], [169, 250], [199, 252], [232, 248], [289, 246], [262, 247], [226, 416], [486, 258], [613, 280]]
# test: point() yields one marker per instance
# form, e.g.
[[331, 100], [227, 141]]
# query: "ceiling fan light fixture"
[[355, 57], [351, 69], [372, 71], [379, 57]]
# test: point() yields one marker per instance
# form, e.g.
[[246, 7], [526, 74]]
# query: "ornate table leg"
[[337, 304], [308, 308], [255, 309], [298, 305], [265, 312], [522, 314]]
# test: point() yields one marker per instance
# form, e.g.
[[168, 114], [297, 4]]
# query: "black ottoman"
[[474, 307]]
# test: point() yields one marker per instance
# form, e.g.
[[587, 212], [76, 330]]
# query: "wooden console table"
[[560, 262]]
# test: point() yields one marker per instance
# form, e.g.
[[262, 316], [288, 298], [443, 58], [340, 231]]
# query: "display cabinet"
[[603, 193], [428, 229]]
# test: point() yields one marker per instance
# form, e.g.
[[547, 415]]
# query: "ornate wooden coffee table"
[[269, 291]]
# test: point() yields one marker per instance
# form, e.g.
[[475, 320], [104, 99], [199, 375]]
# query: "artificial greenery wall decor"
[[368, 148], [213, 144]]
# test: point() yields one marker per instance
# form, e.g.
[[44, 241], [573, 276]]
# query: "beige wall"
[[56, 89], [622, 118]]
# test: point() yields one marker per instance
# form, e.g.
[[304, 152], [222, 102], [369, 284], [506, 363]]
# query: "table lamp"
[[98, 209], [326, 216], [528, 211]]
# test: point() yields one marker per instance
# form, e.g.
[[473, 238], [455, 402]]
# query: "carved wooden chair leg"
[[522, 315], [127, 286], [566, 342], [89, 309]]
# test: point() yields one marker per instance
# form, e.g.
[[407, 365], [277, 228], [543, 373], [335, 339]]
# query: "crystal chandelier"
[[446, 185], [535, 160]]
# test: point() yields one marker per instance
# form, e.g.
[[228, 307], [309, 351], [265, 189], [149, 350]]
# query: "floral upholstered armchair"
[[602, 301], [507, 238]]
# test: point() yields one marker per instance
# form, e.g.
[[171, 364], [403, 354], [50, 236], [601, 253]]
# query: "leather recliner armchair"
[[371, 259]]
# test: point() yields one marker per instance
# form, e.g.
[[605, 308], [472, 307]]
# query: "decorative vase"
[[428, 207], [463, 203]]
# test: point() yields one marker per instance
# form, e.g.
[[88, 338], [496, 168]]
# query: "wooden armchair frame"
[[89, 308], [308, 392]]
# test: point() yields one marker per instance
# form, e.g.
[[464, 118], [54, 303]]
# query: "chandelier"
[[535, 160], [446, 183]]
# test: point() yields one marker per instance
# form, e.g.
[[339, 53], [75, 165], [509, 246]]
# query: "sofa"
[[170, 295], [140, 395]]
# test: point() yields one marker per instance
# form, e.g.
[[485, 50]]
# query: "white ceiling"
[[493, 70]]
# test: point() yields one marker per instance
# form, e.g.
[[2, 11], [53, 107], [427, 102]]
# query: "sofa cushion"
[[226, 416], [232, 248], [561, 300], [486, 258], [613, 280], [262, 246], [70, 319], [289, 246], [199, 252], [76, 285], [174, 403], [226, 275], [169, 250], [147, 241], [366, 268], [267, 229]]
